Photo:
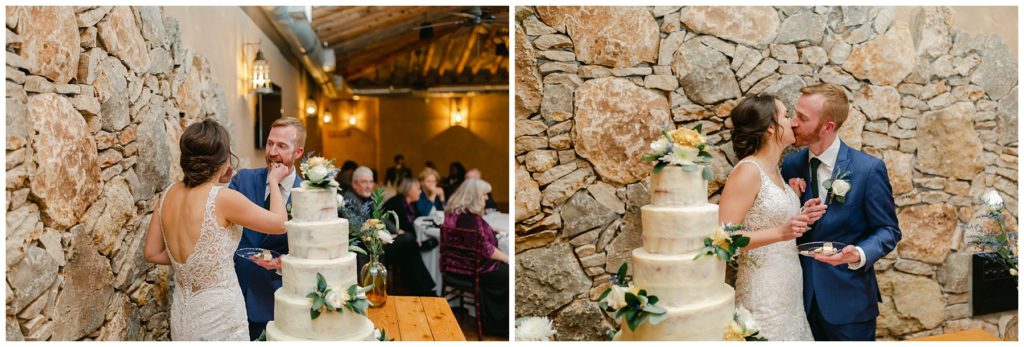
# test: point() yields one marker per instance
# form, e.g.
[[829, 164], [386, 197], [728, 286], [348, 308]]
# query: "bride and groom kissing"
[[197, 227], [824, 192]]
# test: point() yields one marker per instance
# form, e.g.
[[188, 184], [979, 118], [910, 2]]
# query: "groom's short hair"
[[300, 130], [836, 105]]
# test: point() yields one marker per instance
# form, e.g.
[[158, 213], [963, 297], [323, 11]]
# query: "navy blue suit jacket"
[[258, 284], [867, 219]]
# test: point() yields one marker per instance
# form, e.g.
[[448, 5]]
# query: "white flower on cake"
[[661, 146], [336, 297], [993, 201], [681, 155], [318, 172], [341, 201], [534, 329], [617, 297], [742, 327]]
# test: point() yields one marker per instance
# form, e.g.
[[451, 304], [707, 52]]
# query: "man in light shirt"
[[840, 290]]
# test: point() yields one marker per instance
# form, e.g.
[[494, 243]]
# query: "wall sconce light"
[[260, 73], [459, 109], [310, 108], [352, 120], [327, 117]]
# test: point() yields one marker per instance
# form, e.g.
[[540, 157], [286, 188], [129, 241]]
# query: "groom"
[[840, 291], [284, 146]]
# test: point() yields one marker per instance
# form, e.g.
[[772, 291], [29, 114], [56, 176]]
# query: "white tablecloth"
[[425, 229]]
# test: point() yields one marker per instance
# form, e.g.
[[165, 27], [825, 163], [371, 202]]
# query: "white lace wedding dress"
[[769, 281], [208, 303]]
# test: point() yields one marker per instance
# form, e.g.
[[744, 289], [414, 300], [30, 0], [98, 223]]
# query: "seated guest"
[[404, 253], [344, 177], [465, 210], [432, 196], [456, 174], [357, 197], [490, 204]]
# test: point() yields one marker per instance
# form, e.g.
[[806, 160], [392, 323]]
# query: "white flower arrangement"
[[318, 172], [534, 329], [681, 147]]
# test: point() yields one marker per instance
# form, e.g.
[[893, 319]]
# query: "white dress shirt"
[[828, 164], [286, 185]]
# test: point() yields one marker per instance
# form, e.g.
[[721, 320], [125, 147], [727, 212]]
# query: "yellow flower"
[[721, 238], [372, 224], [734, 332], [316, 161], [686, 137]]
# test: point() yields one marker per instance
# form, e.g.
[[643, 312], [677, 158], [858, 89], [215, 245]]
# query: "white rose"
[[317, 174], [993, 201], [341, 201], [617, 297], [336, 297], [840, 187], [681, 155], [661, 146], [385, 237]]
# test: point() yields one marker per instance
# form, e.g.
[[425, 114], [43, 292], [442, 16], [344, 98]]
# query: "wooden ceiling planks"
[[380, 46]]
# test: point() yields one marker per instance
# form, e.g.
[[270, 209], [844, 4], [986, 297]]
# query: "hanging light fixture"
[[261, 75], [310, 108], [327, 116]]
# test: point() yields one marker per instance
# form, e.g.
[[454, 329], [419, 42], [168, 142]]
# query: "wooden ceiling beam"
[[428, 59], [470, 43], [343, 46], [442, 65], [341, 14]]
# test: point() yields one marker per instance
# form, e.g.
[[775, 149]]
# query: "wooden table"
[[966, 335], [417, 318]]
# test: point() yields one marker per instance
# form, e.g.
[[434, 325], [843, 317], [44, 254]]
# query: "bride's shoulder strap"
[[758, 166]]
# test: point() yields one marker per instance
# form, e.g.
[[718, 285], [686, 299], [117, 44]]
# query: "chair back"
[[460, 250]]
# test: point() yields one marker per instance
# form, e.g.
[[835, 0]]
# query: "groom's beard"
[[813, 137]]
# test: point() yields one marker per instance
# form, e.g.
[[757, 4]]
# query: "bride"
[[769, 280], [196, 229]]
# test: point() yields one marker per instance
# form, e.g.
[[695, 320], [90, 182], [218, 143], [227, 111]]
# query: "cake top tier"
[[314, 204], [676, 186]]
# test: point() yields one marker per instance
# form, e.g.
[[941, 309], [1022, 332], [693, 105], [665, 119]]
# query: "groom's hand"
[[848, 255]]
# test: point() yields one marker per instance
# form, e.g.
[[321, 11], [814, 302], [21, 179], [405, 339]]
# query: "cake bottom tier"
[[275, 334], [292, 321], [700, 321]]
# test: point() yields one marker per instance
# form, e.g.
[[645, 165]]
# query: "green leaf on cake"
[[707, 174], [660, 165], [313, 314], [699, 128], [321, 284], [622, 273]]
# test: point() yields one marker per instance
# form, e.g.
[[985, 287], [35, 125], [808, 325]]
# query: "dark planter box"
[[993, 289]]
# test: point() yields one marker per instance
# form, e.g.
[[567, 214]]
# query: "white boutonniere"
[[838, 186]]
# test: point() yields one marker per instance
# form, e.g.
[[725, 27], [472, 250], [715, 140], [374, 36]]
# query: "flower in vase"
[[993, 201], [385, 236]]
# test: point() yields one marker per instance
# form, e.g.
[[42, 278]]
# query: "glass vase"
[[376, 274]]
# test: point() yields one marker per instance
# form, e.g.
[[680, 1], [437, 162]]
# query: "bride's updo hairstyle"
[[751, 119], [205, 147]]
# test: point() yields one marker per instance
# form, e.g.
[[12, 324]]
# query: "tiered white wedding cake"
[[317, 243], [699, 304]]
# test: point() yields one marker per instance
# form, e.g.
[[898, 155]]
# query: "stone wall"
[[595, 85], [96, 100]]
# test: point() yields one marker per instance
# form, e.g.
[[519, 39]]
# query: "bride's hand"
[[798, 185], [794, 228], [814, 210], [278, 172]]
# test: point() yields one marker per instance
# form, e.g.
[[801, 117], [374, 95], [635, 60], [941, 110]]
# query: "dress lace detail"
[[208, 303], [771, 286]]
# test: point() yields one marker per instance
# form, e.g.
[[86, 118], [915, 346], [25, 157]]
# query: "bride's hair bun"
[[205, 147], [751, 119]]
